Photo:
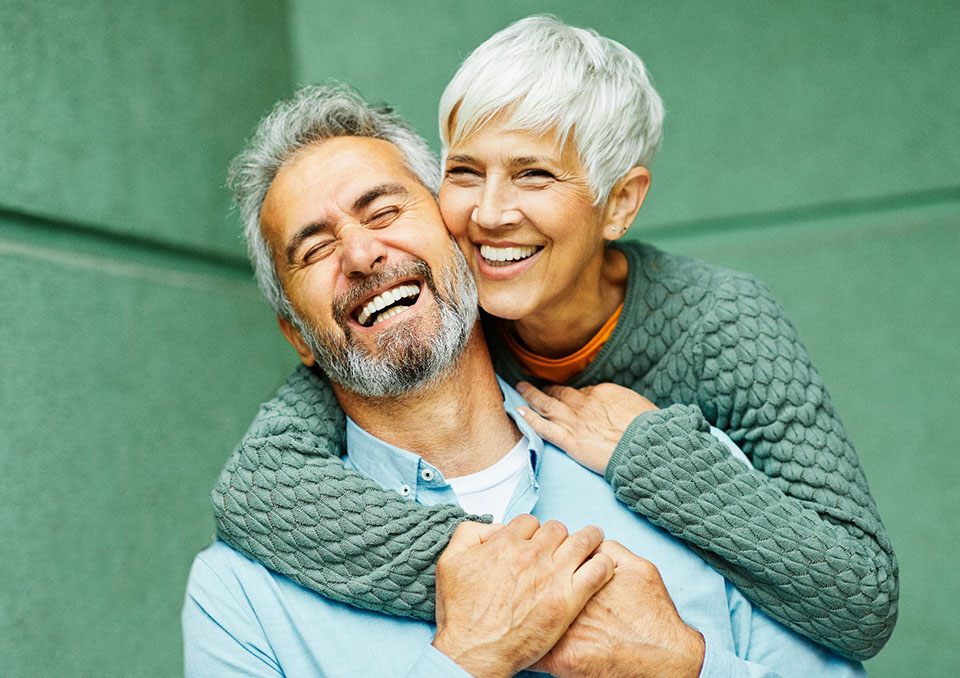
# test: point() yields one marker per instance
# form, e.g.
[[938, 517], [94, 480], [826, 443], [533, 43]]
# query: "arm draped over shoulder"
[[285, 499], [799, 535]]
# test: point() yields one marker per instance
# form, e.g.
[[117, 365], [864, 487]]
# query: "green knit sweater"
[[799, 535]]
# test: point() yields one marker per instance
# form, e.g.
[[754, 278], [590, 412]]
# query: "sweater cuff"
[[636, 437]]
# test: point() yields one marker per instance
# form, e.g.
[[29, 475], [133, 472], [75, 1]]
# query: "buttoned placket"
[[432, 487]]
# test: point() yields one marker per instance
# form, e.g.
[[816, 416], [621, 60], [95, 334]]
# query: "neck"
[[564, 327], [455, 422]]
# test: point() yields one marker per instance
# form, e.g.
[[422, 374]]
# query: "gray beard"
[[406, 356]]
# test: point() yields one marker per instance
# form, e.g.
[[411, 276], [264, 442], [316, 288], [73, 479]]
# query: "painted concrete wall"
[[133, 346], [816, 146]]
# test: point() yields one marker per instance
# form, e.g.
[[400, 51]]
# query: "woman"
[[547, 131]]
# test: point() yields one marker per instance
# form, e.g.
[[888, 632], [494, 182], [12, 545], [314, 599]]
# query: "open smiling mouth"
[[505, 256], [387, 304]]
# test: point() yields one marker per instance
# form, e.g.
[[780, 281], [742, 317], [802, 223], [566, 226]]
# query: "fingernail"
[[522, 386], [522, 411]]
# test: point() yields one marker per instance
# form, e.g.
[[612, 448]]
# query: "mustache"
[[343, 304]]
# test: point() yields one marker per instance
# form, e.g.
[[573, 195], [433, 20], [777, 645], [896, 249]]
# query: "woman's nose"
[[497, 207]]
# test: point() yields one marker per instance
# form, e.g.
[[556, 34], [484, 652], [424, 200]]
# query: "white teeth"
[[491, 253], [389, 313], [383, 300]]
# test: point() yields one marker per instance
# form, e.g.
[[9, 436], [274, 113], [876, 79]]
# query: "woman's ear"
[[296, 340], [625, 201]]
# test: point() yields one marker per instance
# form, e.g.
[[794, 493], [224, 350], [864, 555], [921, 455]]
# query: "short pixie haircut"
[[547, 75], [314, 114]]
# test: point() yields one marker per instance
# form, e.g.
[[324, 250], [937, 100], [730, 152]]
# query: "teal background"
[[817, 146]]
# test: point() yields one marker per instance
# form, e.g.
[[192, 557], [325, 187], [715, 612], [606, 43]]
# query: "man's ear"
[[625, 201], [296, 340]]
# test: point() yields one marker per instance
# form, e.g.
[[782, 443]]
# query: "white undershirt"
[[490, 490]]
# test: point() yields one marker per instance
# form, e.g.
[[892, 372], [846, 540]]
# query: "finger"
[[578, 547], [523, 526], [565, 394], [625, 559], [619, 553], [546, 405], [592, 576], [551, 534], [546, 429]]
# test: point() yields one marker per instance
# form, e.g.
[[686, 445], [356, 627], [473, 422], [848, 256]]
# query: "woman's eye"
[[536, 174], [460, 171]]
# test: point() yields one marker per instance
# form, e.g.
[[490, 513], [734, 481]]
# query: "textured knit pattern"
[[799, 535], [285, 499]]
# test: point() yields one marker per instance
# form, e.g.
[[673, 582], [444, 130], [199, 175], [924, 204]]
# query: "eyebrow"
[[516, 161], [378, 191], [522, 160]]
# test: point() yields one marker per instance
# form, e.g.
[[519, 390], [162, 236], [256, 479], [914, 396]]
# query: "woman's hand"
[[585, 423]]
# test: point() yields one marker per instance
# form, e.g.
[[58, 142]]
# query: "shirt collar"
[[396, 468]]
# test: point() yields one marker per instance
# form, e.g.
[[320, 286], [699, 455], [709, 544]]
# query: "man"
[[375, 294]]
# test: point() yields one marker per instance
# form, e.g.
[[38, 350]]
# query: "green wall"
[[814, 145], [133, 346]]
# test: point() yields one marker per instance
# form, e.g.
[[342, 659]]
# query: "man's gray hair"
[[315, 113], [546, 75]]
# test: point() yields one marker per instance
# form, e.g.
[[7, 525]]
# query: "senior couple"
[[400, 509]]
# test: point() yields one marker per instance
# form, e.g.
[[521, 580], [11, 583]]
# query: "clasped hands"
[[530, 596]]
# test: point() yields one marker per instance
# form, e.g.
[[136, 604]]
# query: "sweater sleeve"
[[799, 535], [285, 499]]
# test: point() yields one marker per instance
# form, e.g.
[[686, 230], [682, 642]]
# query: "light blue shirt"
[[241, 619]]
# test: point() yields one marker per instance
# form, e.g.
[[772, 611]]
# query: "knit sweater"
[[799, 534]]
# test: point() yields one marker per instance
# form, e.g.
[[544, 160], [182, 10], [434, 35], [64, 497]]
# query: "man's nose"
[[497, 207], [362, 252]]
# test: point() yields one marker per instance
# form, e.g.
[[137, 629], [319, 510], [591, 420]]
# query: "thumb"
[[617, 552], [592, 576]]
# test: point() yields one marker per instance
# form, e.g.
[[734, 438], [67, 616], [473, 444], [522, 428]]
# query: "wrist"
[[651, 428], [470, 658], [696, 651], [622, 449]]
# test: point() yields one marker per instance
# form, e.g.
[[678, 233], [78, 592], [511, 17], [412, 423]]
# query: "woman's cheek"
[[453, 211]]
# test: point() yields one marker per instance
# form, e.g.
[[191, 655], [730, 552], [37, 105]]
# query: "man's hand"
[[630, 628], [586, 423], [505, 594]]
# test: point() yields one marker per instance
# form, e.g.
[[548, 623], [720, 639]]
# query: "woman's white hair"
[[545, 75], [315, 113]]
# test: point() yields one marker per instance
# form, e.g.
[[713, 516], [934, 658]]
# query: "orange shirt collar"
[[560, 370]]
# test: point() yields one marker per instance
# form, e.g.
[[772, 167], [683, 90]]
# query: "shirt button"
[[426, 474], [404, 490]]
